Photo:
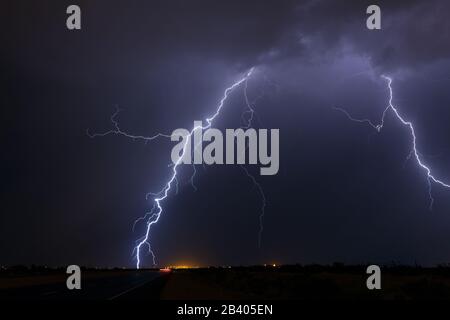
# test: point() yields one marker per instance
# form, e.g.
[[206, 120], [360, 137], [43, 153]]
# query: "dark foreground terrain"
[[308, 282], [95, 285], [336, 282]]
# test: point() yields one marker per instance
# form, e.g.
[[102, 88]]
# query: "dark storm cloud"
[[234, 31], [413, 32], [242, 34]]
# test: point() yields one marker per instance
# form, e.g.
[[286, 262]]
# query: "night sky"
[[343, 191]]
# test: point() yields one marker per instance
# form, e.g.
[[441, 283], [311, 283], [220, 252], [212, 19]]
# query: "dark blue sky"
[[343, 192]]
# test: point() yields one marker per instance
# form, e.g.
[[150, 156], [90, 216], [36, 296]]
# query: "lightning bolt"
[[414, 151], [250, 111], [153, 216], [263, 202], [118, 131]]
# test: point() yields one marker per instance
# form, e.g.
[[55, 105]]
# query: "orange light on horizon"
[[183, 266]]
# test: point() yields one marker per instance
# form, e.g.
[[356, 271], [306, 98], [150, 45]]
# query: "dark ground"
[[336, 282], [95, 285]]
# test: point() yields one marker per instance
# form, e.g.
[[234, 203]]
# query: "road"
[[115, 286]]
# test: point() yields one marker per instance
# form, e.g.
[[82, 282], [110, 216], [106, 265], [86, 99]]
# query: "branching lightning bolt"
[[414, 151], [153, 216]]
